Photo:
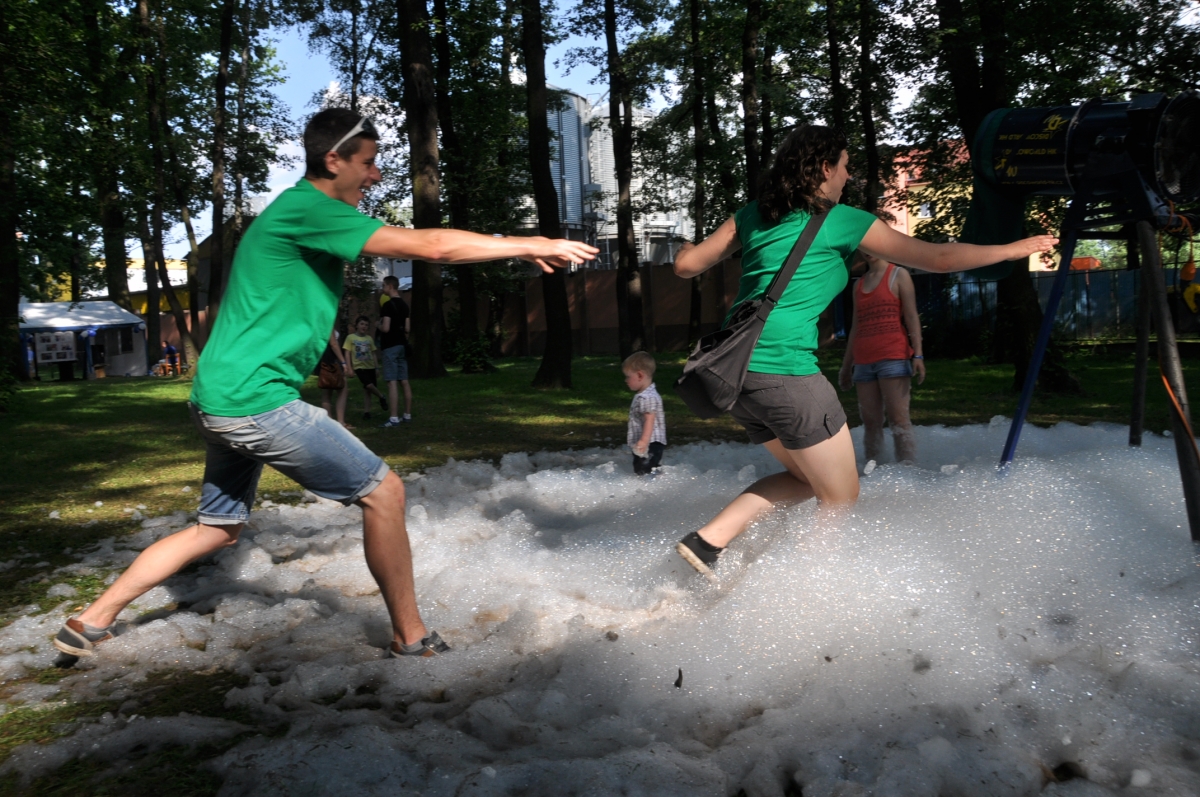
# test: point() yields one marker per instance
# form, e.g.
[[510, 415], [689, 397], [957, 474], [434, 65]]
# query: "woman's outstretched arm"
[[896, 247], [694, 259]]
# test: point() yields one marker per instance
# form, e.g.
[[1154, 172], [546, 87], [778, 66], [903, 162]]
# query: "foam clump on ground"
[[958, 632]]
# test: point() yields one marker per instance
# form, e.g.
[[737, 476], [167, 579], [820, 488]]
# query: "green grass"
[[131, 442]]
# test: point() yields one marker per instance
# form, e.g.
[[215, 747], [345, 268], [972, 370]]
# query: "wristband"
[[918, 356]]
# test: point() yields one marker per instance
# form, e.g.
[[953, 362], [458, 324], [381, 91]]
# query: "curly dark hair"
[[797, 171]]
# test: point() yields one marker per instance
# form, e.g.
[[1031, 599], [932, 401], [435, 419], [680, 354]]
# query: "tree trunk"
[[154, 111], [105, 176], [421, 116], [460, 206], [12, 353], [631, 320], [767, 149], [837, 91], [750, 95], [699, 135], [153, 299], [216, 249], [555, 369], [978, 90], [866, 98]]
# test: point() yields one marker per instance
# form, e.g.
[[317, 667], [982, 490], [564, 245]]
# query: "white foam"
[[960, 632]]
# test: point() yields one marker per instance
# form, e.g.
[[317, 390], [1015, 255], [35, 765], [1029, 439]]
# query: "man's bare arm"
[[459, 246]]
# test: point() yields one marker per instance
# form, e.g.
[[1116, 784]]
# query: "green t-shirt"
[[281, 302], [788, 343]]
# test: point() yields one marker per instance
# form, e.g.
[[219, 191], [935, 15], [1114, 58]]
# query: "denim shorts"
[[800, 411], [299, 440], [395, 366], [884, 369]]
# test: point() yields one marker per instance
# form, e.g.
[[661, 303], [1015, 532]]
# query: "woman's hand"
[[1029, 246], [845, 381], [918, 364]]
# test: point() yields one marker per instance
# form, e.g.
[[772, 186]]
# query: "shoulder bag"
[[715, 370]]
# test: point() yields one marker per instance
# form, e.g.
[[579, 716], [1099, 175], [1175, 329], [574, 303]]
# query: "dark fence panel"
[[957, 311]]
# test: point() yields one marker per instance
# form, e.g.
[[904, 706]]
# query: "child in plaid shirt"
[[647, 433]]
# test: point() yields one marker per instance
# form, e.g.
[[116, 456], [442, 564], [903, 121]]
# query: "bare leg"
[[327, 401], [389, 558], [342, 395], [407, 397], [826, 471], [870, 407], [896, 393], [155, 565], [394, 399]]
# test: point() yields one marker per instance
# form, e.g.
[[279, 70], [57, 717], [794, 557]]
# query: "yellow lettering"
[[1011, 171], [1053, 122]]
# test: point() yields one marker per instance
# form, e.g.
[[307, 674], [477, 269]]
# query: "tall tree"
[[456, 160], [750, 104], [837, 87], [631, 333], [155, 74], [555, 368], [420, 108], [217, 272], [866, 100]]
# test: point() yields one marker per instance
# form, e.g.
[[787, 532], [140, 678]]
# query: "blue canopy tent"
[[112, 340]]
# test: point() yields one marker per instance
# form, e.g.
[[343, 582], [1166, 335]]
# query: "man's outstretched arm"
[[459, 246]]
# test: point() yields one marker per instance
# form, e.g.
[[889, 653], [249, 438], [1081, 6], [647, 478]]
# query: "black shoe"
[[698, 553]]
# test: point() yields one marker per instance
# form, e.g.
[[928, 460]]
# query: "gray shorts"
[[395, 366], [800, 411]]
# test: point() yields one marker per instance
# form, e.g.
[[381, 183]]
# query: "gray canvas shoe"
[[431, 645], [79, 640]]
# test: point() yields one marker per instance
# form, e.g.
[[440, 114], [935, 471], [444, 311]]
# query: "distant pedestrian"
[[360, 349], [647, 430], [393, 339], [171, 355], [882, 354], [331, 378]]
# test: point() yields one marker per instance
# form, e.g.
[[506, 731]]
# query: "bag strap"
[[799, 250]]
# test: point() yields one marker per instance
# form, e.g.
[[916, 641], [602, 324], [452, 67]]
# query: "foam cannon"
[[1127, 164]]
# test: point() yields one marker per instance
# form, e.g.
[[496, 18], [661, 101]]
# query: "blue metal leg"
[[1075, 216]]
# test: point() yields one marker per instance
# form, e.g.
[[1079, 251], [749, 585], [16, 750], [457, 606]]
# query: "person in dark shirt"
[[393, 337], [172, 356]]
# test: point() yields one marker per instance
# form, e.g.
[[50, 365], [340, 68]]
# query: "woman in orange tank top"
[[883, 352]]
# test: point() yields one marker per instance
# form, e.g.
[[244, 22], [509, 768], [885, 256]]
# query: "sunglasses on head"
[[364, 126]]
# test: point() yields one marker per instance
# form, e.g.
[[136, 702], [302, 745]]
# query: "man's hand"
[[640, 449], [552, 253]]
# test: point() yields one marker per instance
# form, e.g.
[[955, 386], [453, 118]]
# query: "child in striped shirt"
[[647, 432]]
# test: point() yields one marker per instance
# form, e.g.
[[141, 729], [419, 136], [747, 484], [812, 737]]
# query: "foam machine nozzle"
[[1097, 146]]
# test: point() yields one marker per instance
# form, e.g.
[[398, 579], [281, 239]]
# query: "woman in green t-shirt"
[[786, 404]]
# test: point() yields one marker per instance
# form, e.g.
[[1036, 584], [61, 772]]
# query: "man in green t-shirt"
[[275, 319]]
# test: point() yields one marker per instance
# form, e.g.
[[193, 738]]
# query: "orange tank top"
[[879, 324]]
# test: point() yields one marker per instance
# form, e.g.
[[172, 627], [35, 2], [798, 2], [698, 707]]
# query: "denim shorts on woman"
[[884, 369], [800, 411], [299, 440]]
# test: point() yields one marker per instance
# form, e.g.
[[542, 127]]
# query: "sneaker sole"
[[72, 650], [694, 561]]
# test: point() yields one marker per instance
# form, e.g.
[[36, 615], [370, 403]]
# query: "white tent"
[[119, 339]]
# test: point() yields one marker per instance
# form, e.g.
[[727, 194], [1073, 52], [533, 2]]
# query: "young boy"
[[361, 348], [647, 434]]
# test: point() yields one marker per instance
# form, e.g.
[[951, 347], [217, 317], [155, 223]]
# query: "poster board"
[[55, 347]]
